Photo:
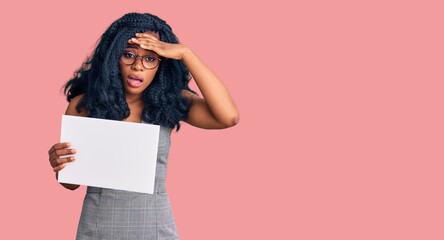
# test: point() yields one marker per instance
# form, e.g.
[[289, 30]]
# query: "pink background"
[[341, 118]]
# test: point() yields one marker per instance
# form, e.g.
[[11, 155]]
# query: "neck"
[[134, 99]]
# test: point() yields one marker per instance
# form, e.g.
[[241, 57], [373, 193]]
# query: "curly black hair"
[[99, 77]]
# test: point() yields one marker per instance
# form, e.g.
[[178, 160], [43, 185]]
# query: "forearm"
[[213, 90], [67, 185]]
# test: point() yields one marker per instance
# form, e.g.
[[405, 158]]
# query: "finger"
[[58, 146], [65, 151], [62, 152], [147, 39], [152, 39], [137, 41], [53, 157], [134, 41], [140, 41], [59, 167], [60, 161], [145, 44], [145, 35], [53, 163], [148, 47]]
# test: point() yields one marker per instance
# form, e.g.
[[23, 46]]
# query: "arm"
[[217, 109]]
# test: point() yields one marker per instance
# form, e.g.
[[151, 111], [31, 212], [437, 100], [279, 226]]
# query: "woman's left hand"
[[168, 50]]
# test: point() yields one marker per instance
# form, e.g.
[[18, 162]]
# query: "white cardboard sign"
[[110, 154]]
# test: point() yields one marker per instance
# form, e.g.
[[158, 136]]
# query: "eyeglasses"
[[149, 62]]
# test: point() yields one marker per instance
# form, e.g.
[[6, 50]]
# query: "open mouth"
[[134, 82]]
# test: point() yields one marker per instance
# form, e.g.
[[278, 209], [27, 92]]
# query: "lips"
[[135, 77], [135, 80]]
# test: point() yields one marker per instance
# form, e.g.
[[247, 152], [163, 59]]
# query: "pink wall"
[[341, 127]]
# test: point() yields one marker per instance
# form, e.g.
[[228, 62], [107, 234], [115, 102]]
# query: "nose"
[[137, 65]]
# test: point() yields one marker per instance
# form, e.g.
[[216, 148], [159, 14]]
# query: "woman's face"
[[137, 71]]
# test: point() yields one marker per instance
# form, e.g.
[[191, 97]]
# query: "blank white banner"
[[110, 154]]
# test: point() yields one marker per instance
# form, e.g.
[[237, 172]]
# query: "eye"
[[150, 58], [128, 55]]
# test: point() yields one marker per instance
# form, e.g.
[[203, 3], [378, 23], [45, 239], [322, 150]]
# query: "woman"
[[140, 73]]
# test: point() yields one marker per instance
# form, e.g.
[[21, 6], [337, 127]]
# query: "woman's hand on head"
[[167, 50], [57, 150]]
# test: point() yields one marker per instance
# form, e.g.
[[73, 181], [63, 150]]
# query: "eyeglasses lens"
[[149, 61]]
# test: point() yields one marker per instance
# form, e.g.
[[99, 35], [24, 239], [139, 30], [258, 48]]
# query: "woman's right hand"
[[57, 150]]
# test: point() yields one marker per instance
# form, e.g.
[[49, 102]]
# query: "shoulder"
[[71, 109]]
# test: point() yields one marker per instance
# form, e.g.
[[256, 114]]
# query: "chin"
[[134, 91]]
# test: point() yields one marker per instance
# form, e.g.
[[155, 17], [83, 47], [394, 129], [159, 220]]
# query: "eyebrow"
[[136, 47]]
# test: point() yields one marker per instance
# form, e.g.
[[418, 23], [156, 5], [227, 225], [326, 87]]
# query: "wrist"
[[186, 52]]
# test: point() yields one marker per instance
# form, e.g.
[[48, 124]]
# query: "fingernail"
[[73, 151], [73, 158], [133, 39]]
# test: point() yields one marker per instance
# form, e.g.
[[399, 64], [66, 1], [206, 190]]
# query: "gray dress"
[[118, 214]]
